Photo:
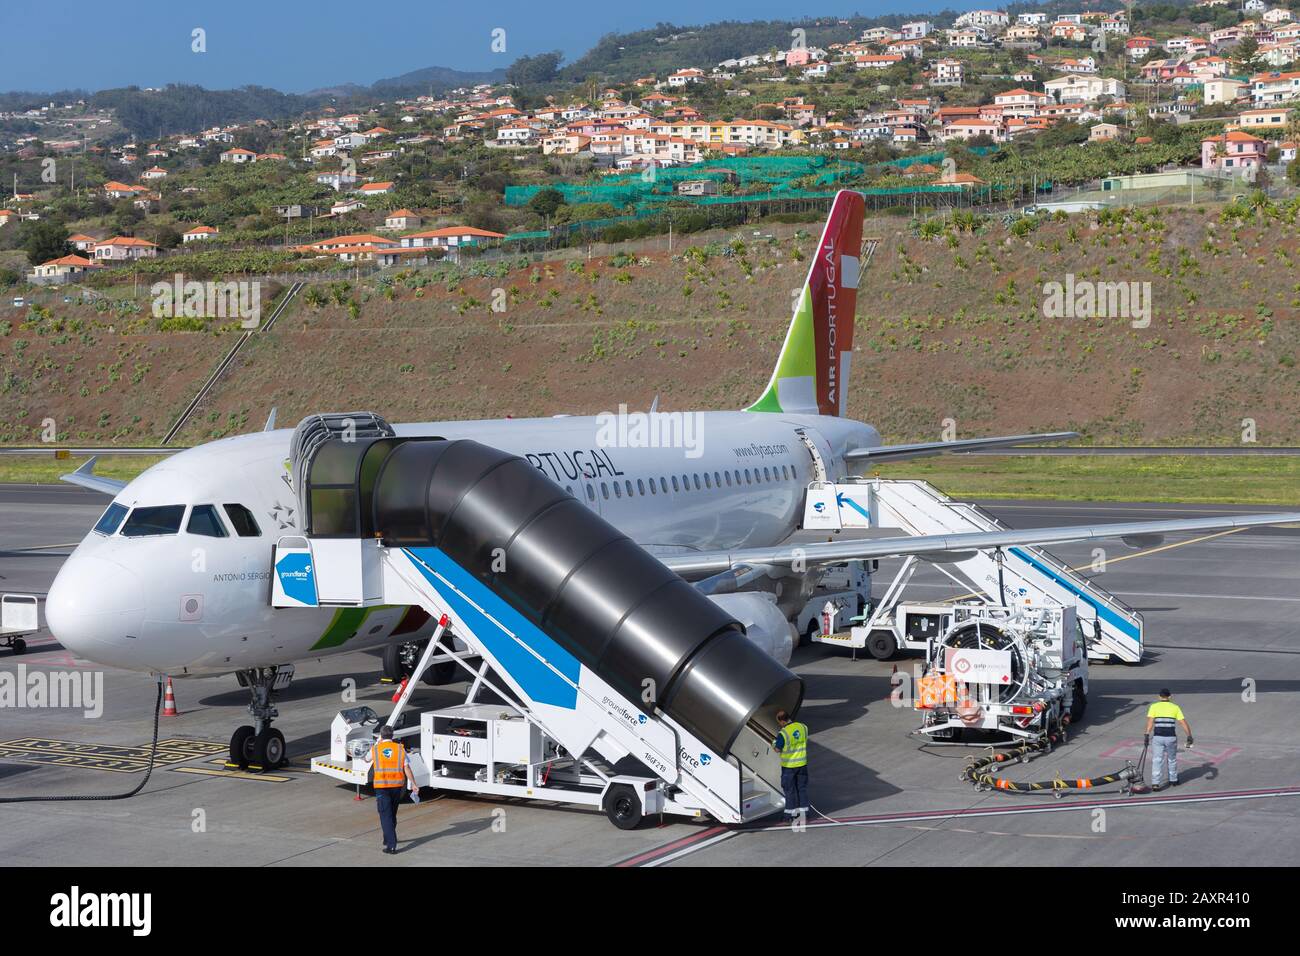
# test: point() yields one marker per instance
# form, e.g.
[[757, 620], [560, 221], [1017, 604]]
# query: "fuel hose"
[[981, 772]]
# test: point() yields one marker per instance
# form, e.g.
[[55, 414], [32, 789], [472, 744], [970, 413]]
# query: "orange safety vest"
[[389, 759]]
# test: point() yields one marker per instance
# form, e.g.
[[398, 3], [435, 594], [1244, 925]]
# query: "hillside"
[[950, 326]]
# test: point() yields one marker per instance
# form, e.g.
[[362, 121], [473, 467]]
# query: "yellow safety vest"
[[795, 752], [1165, 715], [389, 759]]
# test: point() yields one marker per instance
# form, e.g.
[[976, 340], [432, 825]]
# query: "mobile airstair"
[[599, 653], [1019, 575]]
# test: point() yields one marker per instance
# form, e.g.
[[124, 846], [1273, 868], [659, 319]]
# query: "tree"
[[1246, 54], [43, 240], [531, 70], [546, 202]]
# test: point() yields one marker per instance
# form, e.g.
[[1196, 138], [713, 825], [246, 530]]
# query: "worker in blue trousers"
[[792, 744], [1163, 718], [392, 775]]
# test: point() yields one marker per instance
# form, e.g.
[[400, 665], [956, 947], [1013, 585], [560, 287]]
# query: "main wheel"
[[442, 672], [19, 645], [241, 745], [397, 662], [882, 645], [622, 807], [268, 749]]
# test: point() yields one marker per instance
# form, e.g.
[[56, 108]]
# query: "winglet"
[[270, 420], [85, 477]]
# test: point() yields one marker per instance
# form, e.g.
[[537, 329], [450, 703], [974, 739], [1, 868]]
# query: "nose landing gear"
[[260, 746]]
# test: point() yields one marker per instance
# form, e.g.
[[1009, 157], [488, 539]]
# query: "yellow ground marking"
[[237, 774]]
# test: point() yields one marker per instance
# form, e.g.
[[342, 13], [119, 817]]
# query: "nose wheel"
[[260, 746]]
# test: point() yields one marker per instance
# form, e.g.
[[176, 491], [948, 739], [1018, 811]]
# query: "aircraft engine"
[[765, 625]]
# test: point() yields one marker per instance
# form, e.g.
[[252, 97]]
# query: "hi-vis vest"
[[1165, 715], [795, 753], [389, 758]]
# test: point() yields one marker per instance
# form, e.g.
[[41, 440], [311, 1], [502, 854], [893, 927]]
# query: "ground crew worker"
[[792, 744], [392, 771], [1163, 718]]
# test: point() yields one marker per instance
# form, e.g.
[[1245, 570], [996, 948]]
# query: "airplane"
[[174, 577]]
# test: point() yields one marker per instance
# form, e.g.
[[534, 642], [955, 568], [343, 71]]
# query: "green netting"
[[776, 172]]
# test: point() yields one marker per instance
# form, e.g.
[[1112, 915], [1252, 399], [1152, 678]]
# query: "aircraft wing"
[[883, 453], [835, 552], [85, 477]]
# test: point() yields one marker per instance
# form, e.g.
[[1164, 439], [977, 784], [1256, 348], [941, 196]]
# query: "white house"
[[238, 156], [1084, 88], [199, 233]]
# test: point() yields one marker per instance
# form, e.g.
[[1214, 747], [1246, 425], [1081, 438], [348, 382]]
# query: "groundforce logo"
[[692, 761], [614, 707]]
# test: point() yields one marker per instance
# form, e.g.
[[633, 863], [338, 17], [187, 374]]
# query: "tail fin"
[[812, 372]]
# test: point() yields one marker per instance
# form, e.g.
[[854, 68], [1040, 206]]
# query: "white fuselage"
[[183, 603]]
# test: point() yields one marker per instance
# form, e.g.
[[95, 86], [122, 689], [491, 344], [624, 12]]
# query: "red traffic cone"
[[169, 701], [401, 689]]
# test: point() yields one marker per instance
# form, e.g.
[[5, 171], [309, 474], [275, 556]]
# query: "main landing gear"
[[400, 661], [260, 746]]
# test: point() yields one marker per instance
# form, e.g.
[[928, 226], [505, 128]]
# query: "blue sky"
[[297, 46]]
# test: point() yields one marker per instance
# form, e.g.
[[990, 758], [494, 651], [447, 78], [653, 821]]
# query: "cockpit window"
[[204, 520], [112, 517], [243, 520], [160, 519]]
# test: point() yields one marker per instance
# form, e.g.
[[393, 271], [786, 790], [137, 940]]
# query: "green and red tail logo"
[[812, 372]]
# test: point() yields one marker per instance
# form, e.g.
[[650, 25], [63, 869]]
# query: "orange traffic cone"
[[401, 689], [169, 701]]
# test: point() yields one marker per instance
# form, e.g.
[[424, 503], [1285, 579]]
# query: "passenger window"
[[653, 489], [243, 521], [204, 520], [696, 476], [591, 493], [618, 490], [640, 486], [111, 518], [161, 519], [604, 490], [676, 488], [749, 479], [663, 484], [707, 482], [629, 487]]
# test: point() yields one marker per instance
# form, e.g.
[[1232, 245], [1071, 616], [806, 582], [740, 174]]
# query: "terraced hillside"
[[950, 325]]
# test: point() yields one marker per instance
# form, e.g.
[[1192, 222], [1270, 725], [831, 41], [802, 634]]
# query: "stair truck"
[[620, 685]]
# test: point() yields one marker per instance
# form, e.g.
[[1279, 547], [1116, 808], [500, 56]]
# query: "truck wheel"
[[882, 645], [19, 645], [1078, 703], [814, 629], [622, 807]]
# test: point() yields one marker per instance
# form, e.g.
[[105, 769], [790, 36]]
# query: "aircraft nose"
[[95, 609]]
